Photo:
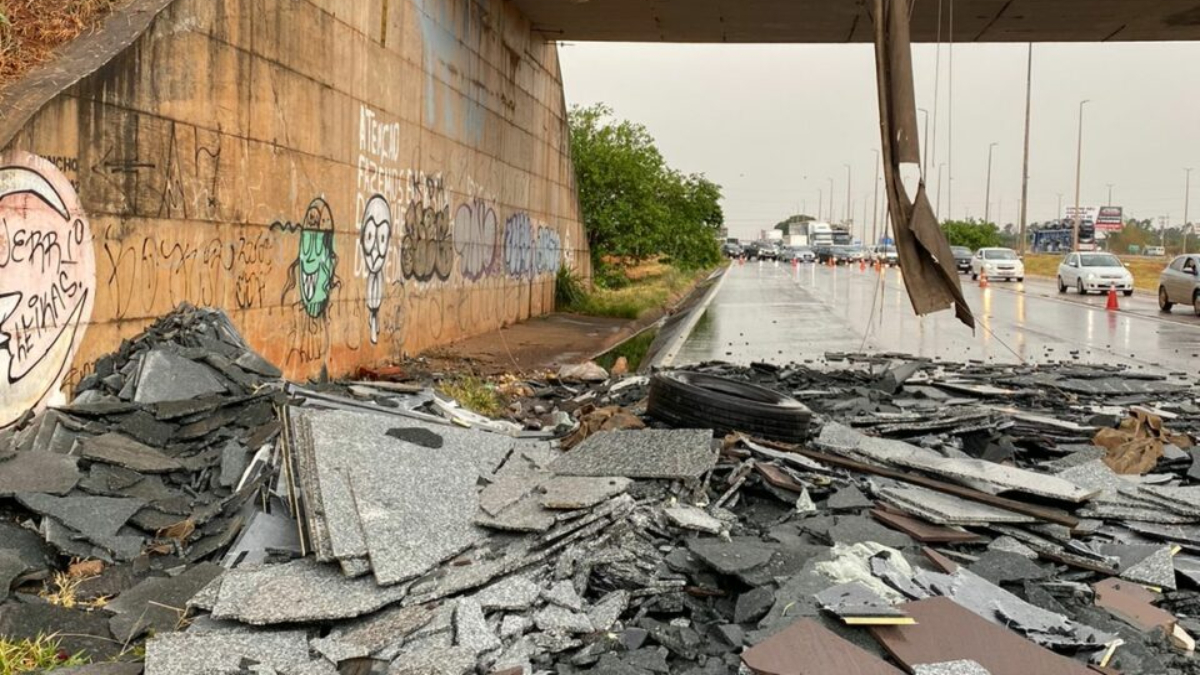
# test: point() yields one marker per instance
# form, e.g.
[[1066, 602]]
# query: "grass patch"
[[30, 30], [476, 395], [634, 350], [649, 290], [34, 656], [1145, 270]]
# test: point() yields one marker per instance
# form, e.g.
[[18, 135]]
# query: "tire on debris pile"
[[695, 400]]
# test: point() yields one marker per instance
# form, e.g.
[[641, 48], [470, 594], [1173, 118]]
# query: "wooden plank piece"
[[1132, 604], [947, 631], [808, 648], [1039, 512]]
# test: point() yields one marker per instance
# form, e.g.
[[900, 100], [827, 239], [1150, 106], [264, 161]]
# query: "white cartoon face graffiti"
[[47, 281], [374, 237]]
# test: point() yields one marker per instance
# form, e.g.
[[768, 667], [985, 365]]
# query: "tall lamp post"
[[1187, 198], [1025, 162], [849, 209], [1078, 173], [831, 200], [875, 206], [987, 195]]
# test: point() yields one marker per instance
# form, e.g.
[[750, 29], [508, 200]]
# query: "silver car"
[[1180, 284]]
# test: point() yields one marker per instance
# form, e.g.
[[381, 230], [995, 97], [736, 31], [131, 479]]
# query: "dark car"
[[732, 250], [962, 258], [762, 250], [844, 255]]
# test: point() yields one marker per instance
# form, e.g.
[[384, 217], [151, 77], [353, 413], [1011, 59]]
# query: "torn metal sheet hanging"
[[925, 257]]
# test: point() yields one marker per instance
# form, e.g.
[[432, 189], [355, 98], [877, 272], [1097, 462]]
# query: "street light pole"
[[1025, 163], [1078, 174], [925, 152], [875, 205], [1110, 187], [987, 195], [849, 209], [939, 191], [1058, 215], [820, 204], [831, 218], [1187, 197]]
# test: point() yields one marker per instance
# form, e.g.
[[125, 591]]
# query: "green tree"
[[634, 205], [972, 233]]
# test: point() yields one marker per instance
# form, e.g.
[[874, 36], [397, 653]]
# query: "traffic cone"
[[1113, 304], [983, 282], [862, 265]]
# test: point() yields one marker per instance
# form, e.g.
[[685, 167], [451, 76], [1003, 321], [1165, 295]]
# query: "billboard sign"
[[1110, 219]]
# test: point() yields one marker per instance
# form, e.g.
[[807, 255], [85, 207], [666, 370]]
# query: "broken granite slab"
[[165, 376], [515, 593], [976, 473], [225, 652], [963, 667], [158, 604], [298, 591], [44, 472], [569, 492], [85, 632], [855, 603], [945, 509], [731, 557], [1150, 565], [641, 453], [691, 518], [471, 629], [377, 631], [97, 519], [114, 448], [415, 506], [561, 619]]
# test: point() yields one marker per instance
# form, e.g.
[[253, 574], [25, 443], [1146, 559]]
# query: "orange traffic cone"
[[1113, 305], [862, 265], [983, 282]]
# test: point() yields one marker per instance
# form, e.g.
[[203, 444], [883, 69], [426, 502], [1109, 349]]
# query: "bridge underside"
[[833, 21]]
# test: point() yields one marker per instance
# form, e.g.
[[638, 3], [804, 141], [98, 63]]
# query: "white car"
[[997, 263], [1088, 272]]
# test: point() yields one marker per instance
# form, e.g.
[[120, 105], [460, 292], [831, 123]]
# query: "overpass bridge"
[[838, 21]]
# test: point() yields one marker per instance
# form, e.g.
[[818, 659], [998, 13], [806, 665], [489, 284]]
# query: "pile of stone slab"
[[944, 519]]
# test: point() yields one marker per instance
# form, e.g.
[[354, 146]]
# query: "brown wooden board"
[[923, 531], [808, 648], [1025, 508], [947, 631], [1132, 603]]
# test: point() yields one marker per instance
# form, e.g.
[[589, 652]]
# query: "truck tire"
[[694, 400]]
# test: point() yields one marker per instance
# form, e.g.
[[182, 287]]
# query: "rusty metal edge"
[[72, 62]]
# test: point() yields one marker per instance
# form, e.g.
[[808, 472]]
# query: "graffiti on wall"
[[314, 271], [374, 238], [477, 239], [548, 251], [47, 281], [518, 246], [427, 250]]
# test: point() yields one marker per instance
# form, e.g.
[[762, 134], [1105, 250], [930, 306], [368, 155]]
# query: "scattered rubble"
[[915, 517]]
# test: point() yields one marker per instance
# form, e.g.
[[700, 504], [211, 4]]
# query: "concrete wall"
[[352, 180]]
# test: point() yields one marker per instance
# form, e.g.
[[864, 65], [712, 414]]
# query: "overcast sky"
[[772, 123]]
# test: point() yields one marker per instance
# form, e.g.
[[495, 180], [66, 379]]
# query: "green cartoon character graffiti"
[[315, 268]]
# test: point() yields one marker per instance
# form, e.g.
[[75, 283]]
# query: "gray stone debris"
[[158, 604], [569, 492], [515, 593], [644, 453], [44, 472], [471, 629], [945, 509], [605, 613], [562, 593], [731, 557], [692, 518], [561, 619], [125, 452], [303, 590], [951, 668], [224, 652], [97, 519], [441, 661], [168, 377]]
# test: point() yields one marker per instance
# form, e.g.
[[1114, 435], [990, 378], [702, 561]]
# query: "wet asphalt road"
[[774, 312]]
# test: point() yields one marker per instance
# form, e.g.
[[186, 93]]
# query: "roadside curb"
[[666, 348]]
